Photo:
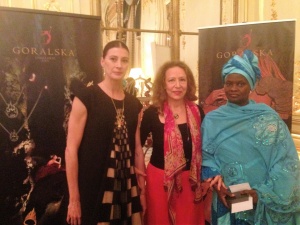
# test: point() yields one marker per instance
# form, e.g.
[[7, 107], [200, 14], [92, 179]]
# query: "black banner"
[[40, 52], [273, 42]]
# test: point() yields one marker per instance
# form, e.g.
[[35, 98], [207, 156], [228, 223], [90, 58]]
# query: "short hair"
[[114, 44], [159, 93]]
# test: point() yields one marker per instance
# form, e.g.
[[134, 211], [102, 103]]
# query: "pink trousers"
[[187, 212]]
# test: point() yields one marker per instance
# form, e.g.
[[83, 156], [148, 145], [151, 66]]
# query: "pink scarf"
[[174, 155]]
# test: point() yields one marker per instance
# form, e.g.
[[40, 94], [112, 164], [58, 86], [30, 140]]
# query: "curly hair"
[[159, 92]]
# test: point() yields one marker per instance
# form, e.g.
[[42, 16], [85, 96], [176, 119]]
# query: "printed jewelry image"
[[14, 135], [11, 110]]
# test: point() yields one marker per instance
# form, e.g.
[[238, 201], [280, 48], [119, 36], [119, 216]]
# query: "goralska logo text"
[[245, 42], [226, 55], [46, 39], [42, 51]]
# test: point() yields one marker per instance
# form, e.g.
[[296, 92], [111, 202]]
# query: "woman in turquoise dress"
[[247, 142]]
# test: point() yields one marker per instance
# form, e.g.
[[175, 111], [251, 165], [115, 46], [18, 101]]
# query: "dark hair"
[[114, 44], [159, 92]]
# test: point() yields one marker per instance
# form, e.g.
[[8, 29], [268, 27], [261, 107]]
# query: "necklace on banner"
[[14, 135], [11, 110], [120, 114]]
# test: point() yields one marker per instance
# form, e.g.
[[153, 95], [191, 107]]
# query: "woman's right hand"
[[74, 213], [222, 194], [216, 182]]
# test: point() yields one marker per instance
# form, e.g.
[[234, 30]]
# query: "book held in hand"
[[240, 202]]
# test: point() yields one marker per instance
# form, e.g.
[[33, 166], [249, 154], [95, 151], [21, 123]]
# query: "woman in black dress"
[[100, 154]]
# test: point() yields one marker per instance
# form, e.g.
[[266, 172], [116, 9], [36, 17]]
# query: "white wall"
[[200, 13]]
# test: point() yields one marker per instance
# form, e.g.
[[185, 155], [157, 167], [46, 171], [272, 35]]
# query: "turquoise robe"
[[252, 144]]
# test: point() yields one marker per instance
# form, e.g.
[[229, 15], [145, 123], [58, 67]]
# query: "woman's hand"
[[143, 203], [252, 193], [141, 185], [221, 189], [139, 172], [222, 194], [216, 182], [74, 213]]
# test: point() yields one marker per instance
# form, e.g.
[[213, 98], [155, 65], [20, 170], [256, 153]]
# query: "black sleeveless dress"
[[107, 182]]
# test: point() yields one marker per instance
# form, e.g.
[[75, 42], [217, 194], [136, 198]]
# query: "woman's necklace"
[[176, 116], [14, 135], [11, 110], [120, 114]]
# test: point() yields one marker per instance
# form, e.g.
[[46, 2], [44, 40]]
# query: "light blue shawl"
[[252, 144]]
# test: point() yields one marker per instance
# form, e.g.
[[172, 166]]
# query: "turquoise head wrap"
[[246, 65]]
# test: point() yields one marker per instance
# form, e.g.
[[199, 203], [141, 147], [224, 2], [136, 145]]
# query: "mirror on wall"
[[147, 34], [134, 22]]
